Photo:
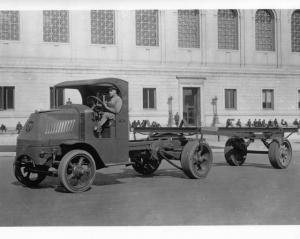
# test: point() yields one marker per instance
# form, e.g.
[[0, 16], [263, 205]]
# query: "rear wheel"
[[280, 155], [196, 159], [235, 151], [144, 162], [77, 171], [23, 169]]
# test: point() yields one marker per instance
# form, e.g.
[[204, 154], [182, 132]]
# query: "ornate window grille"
[[228, 32], [146, 27], [264, 30], [188, 29], [296, 31], [103, 27], [56, 26], [9, 25]]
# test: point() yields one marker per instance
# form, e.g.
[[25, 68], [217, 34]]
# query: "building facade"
[[246, 62]]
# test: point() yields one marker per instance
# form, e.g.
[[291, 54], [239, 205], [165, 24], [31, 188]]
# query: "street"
[[254, 194]]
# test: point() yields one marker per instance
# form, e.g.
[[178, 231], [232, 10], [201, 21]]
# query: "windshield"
[[72, 96], [80, 94]]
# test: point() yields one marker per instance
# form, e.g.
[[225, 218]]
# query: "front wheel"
[[25, 174], [77, 171], [196, 159]]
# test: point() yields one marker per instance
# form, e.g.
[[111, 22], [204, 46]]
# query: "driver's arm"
[[117, 106]]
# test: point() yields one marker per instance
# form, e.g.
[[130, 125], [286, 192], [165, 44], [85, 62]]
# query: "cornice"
[[134, 68]]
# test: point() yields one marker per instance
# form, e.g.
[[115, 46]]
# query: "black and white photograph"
[[163, 116]]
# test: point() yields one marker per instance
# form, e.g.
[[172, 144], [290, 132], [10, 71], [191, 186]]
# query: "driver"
[[112, 107]]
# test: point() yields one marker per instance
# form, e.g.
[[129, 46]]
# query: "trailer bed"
[[243, 132]]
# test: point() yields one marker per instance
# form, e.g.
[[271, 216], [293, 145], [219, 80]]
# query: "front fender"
[[69, 145]]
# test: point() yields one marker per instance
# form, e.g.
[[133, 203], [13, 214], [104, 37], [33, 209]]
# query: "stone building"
[[246, 61]]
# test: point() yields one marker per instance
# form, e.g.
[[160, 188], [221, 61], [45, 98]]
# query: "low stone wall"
[[8, 138]]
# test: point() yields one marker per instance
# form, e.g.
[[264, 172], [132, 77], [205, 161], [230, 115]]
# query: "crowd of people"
[[143, 124], [3, 127], [261, 123]]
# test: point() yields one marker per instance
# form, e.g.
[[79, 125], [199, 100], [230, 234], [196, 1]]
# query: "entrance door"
[[191, 106]]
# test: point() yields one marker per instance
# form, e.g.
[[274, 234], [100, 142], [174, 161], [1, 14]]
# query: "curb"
[[7, 154]]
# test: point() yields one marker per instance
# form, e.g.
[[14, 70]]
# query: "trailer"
[[62, 142], [275, 139]]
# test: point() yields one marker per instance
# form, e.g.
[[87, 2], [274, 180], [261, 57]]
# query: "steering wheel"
[[95, 102]]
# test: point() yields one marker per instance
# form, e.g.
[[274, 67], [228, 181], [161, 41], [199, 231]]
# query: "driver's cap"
[[112, 88]]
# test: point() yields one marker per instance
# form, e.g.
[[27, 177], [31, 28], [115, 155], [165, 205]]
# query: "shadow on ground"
[[255, 165], [104, 179]]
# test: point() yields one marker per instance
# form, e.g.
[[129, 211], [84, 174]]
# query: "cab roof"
[[94, 82], [91, 87]]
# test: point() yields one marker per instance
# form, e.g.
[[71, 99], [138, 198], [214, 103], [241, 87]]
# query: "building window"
[[7, 97], [146, 27], [296, 31], [228, 37], [188, 28], [264, 30], [230, 99], [9, 25], [268, 99], [149, 98], [56, 97], [298, 99], [56, 26], [103, 27]]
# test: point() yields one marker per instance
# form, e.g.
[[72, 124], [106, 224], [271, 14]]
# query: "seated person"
[[112, 107]]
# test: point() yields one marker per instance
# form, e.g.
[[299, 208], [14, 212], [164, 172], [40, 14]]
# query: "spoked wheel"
[[280, 155], [77, 171], [196, 159], [235, 151], [23, 169], [144, 163]]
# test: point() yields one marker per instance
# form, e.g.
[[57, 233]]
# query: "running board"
[[257, 152], [117, 164]]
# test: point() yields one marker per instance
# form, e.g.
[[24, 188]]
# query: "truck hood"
[[49, 127]]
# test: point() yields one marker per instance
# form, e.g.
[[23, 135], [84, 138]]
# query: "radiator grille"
[[60, 126]]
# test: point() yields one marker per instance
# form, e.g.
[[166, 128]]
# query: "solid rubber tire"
[[63, 167], [143, 169], [234, 156], [187, 162], [27, 182], [274, 154]]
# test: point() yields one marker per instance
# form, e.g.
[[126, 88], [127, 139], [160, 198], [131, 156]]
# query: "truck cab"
[[49, 135]]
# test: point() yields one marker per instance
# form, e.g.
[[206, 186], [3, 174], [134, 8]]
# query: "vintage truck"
[[61, 142]]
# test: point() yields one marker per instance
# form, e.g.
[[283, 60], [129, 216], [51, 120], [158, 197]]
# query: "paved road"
[[251, 194]]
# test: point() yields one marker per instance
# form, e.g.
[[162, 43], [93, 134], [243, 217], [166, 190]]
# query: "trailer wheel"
[[280, 155], [196, 159], [23, 173], [235, 151], [77, 171], [144, 162]]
